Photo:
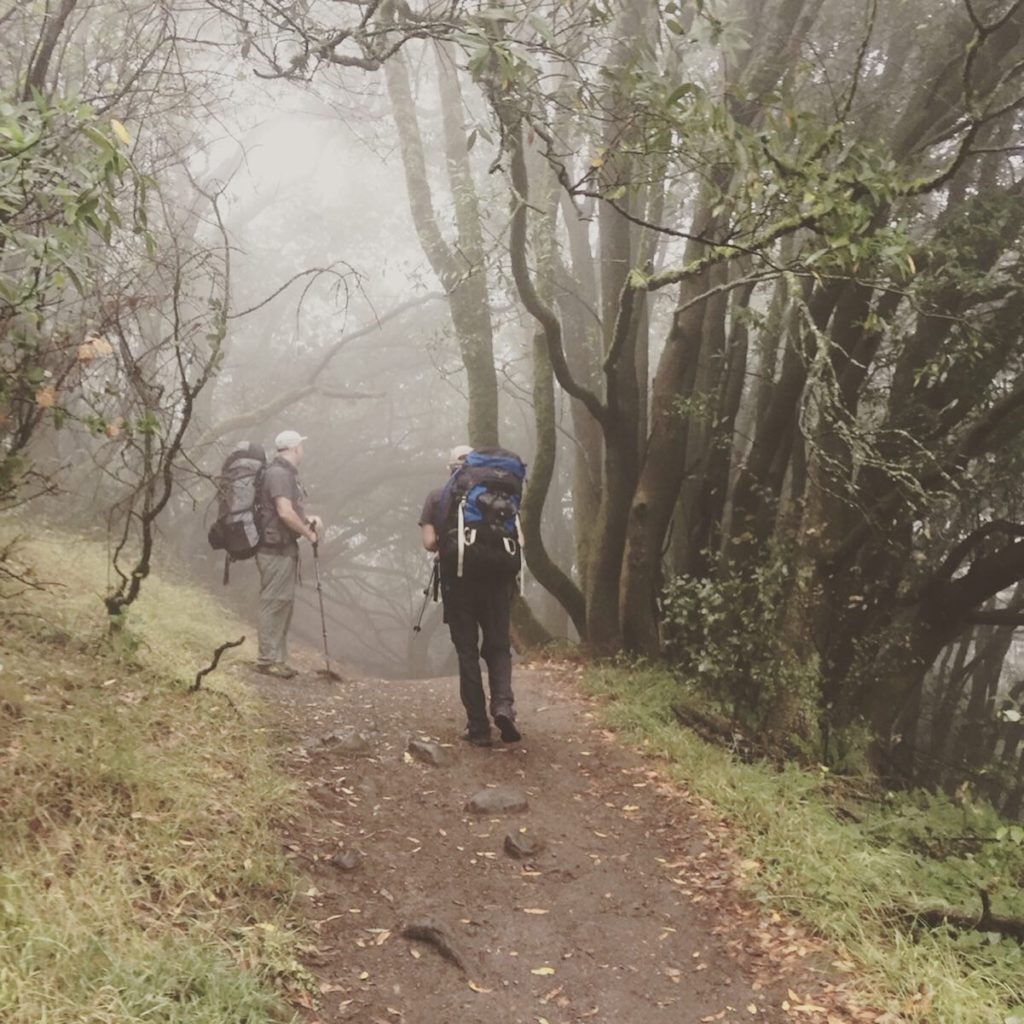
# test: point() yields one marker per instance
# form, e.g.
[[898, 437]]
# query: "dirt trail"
[[627, 916]]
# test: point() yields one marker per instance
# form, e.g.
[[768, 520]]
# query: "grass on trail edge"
[[141, 878], [851, 880]]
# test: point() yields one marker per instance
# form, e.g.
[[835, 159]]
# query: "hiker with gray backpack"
[[261, 513], [472, 526], [283, 522]]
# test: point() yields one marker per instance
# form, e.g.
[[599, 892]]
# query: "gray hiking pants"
[[278, 574]]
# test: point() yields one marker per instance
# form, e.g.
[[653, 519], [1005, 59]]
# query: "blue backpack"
[[482, 536]]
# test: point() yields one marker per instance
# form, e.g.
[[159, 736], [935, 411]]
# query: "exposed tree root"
[[960, 920], [213, 664], [431, 933]]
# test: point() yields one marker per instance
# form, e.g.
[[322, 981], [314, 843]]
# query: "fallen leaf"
[[479, 988], [302, 998], [543, 970], [535, 910], [46, 397]]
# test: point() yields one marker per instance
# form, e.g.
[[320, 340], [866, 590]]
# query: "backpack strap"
[[520, 582], [227, 568], [461, 539], [464, 541]]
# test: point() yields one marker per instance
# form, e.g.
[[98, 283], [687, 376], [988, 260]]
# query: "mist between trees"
[[741, 280]]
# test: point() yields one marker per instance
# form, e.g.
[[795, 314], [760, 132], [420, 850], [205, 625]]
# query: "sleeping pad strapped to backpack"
[[236, 531], [482, 536]]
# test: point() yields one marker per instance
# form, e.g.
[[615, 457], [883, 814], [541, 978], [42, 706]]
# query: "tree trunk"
[[462, 276]]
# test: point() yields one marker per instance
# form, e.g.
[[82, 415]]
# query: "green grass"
[[141, 878], [851, 880]]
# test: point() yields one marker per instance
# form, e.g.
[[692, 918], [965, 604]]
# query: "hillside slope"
[[141, 877]]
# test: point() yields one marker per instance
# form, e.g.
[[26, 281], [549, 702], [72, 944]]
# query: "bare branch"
[[310, 385]]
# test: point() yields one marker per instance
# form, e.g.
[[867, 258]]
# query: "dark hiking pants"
[[473, 607]]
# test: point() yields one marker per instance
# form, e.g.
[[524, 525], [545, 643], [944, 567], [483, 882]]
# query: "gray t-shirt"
[[433, 510], [280, 480]]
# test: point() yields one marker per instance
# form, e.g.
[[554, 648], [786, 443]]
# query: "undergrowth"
[[859, 867], [140, 876]]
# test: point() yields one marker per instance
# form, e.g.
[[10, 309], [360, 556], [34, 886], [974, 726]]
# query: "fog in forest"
[[739, 280]]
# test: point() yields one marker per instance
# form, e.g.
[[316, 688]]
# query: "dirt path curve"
[[618, 920]]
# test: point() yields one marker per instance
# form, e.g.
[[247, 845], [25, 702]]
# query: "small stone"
[[522, 845], [500, 800], [429, 753], [346, 860], [348, 741]]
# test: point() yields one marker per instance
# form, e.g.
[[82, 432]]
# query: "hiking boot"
[[478, 739], [279, 671], [507, 727]]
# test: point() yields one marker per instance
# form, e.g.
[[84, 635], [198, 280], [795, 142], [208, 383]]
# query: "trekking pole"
[[326, 671], [431, 586]]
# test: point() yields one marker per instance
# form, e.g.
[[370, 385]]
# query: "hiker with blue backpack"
[[472, 526]]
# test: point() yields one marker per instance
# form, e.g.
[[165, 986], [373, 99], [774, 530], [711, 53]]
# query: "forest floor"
[[632, 910]]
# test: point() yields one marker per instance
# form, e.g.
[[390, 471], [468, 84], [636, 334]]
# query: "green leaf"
[[96, 136], [686, 89], [543, 28], [495, 14]]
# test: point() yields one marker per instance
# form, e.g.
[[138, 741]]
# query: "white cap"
[[458, 453], [288, 439]]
